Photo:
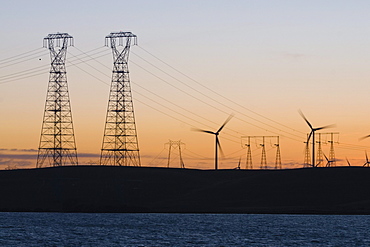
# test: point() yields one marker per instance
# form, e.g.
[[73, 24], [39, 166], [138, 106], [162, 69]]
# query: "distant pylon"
[[263, 156], [177, 146], [120, 145], [263, 165], [332, 153], [248, 162], [307, 156], [319, 152], [278, 155], [57, 141]]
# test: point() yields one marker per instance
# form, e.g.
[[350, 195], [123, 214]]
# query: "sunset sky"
[[196, 63]]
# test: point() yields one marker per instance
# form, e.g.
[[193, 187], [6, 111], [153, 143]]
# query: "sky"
[[196, 63]]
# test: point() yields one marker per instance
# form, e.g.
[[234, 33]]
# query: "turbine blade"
[[325, 127], [326, 157], [227, 120], [349, 164], [309, 137], [205, 131], [364, 137], [219, 147], [305, 119], [367, 159]]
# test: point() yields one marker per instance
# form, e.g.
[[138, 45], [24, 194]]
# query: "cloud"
[[87, 155], [18, 150], [19, 156], [25, 154], [293, 56], [10, 164], [291, 165]]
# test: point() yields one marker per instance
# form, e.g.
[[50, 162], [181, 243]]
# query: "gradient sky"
[[196, 62]]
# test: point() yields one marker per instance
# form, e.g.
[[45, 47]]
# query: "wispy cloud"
[[291, 55], [18, 156], [18, 150], [15, 164], [87, 155]]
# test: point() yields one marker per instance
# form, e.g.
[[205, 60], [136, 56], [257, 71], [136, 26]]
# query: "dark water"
[[60, 229]]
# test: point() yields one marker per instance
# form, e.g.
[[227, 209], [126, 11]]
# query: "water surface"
[[69, 229]]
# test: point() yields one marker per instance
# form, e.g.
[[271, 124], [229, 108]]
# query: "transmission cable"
[[208, 103], [25, 60], [9, 59], [220, 95], [154, 100], [203, 94], [30, 72]]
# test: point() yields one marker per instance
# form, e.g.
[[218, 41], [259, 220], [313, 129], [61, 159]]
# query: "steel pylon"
[[57, 141], [307, 155], [319, 152], [248, 162], [278, 154], [332, 153], [176, 145], [120, 143], [263, 156]]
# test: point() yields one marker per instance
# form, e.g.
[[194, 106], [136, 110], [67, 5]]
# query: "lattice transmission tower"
[[332, 153], [278, 154], [175, 145], [248, 161], [307, 155], [319, 157], [57, 141], [263, 155], [120, 143], [262, 144]]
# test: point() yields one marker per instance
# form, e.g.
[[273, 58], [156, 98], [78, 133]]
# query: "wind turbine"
[[367, 163], [329, 161], [218, 146], [312, 133], [367, 159]]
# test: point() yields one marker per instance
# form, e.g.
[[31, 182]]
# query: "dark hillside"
[[341, 190]]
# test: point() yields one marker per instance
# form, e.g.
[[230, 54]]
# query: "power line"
[[41, 69], [219, 95], [25, 60], [205, 95], [154, 100], [182, 108], [192, 96], [176, 112], [9, 59], [171, 102]]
